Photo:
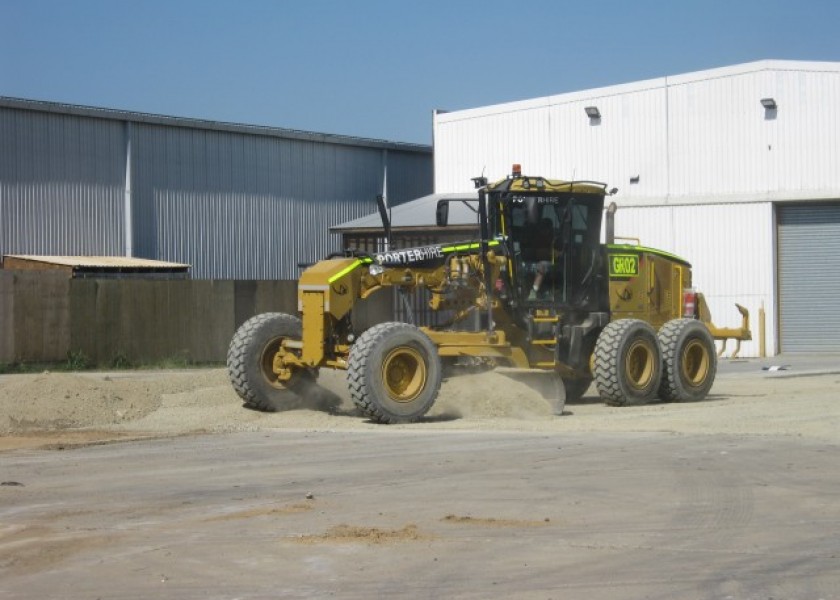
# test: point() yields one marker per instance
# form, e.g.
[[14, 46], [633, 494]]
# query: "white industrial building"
[[737, 169]]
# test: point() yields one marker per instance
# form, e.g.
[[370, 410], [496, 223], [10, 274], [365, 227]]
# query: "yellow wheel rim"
[[404, 374], [267, 363], [695, 362], [639, 367]]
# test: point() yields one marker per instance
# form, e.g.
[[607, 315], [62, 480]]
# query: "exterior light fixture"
[[592, 112], [769, 103]]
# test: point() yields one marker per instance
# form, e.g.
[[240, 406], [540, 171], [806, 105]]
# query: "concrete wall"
[[44, 316]]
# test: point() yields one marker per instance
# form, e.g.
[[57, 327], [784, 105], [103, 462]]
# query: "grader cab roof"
[[517, 182], [552, 186]]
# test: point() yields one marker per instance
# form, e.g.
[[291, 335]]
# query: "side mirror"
[[442, 213]]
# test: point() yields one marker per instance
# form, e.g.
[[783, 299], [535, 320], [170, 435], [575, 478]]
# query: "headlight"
[[376, 270]]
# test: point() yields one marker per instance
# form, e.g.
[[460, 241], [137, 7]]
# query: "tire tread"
[[607, 360], [671, 389], [238, 359], [360, 356]]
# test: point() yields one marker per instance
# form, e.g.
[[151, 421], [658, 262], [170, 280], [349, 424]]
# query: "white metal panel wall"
[[471, 146], [719, 136], [626, 142], [684, 138], [731, 250], [723, 141], [557, 139], [806, 151]]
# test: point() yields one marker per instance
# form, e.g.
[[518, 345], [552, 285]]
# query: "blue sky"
[[373, 68]]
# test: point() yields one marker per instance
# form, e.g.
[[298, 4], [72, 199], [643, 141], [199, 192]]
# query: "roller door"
[[809, 277]]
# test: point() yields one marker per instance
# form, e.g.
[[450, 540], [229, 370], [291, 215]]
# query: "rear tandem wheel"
[[690, 360]]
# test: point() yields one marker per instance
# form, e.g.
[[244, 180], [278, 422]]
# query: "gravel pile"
[[172, 403]]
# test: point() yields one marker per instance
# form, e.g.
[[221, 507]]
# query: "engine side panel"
[[646, 284]]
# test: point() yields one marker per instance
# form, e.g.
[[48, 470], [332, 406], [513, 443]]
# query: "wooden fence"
[[46, 317]]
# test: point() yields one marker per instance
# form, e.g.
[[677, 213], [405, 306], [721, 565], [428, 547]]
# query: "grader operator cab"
[[536, 293]]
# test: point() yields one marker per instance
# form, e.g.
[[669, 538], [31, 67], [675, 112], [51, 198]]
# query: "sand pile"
[[203, 400], [56, 401]]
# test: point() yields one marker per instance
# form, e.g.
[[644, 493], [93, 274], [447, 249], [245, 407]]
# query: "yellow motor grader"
[[537, 292]]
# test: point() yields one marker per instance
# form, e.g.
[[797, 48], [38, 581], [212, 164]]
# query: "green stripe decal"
[[344, 271], [662, 253], [473, 246], [367, 261]]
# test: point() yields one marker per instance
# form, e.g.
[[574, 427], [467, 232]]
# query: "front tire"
[[628, 363], [250, 358], [688, 351], [394, 373]]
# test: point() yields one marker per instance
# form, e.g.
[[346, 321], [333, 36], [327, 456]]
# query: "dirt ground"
[[489, 496], [65, 409]]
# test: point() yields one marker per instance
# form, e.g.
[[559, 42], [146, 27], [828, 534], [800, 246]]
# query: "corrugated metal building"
[[233, 201], [737, 169]]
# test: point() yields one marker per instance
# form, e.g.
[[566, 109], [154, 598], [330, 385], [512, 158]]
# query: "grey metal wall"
[[235, 202], [410, 176], [240, 206], [62, 184]]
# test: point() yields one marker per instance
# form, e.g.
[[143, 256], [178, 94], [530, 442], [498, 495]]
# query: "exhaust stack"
[[610, 225]]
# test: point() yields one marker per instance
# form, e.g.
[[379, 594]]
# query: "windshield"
[[554, 242]]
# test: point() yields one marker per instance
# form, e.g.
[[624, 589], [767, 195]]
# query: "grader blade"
[[548, 384]]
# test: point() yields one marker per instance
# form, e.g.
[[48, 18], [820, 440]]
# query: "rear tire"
[[628, 363], [690, 361], [249, 362], [394, 373]]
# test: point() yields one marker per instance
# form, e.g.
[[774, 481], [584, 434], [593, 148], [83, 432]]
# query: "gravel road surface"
[[150, 484]]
